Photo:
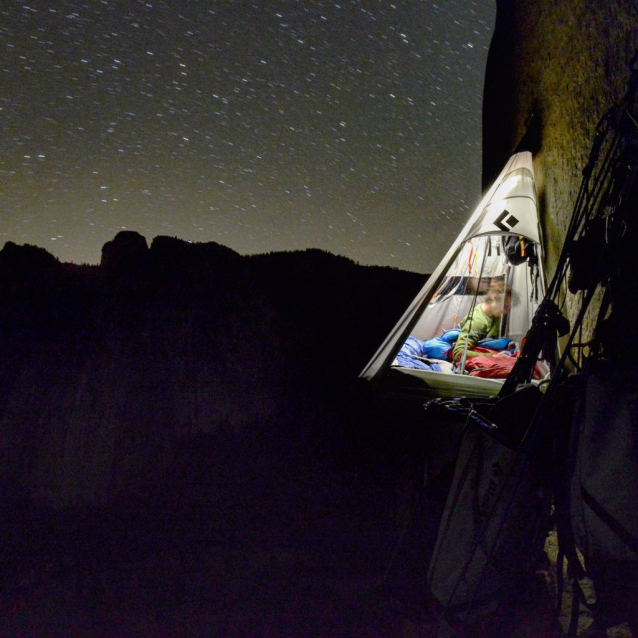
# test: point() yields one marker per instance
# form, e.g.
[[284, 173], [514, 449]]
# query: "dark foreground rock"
[[179, 444]]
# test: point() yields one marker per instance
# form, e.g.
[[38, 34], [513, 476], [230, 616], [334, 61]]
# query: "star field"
[[271, 125]]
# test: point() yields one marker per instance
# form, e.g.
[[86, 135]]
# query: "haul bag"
[[604, 486], [493, 528]]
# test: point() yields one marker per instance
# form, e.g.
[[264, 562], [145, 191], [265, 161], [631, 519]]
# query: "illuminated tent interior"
[[500, 246]]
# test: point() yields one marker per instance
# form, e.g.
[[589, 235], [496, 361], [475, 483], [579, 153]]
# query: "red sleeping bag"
[[489, 367]]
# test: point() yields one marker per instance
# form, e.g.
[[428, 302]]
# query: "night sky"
[[274, 125]]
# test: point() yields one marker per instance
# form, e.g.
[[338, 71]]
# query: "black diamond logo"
[[506, 224]]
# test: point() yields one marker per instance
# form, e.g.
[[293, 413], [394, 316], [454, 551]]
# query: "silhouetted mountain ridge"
[[109, 367], [184, 401]]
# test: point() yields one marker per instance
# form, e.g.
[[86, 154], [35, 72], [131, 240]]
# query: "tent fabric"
[[474, 262]]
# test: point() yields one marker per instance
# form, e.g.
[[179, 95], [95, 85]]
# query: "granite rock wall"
[[569, 62]]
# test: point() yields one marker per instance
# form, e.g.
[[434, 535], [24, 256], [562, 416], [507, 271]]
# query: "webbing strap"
[[605, 516], [560, 579], [575, 612]]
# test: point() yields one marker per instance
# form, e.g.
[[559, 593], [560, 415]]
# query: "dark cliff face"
[[569, 63], [108, 370], [180, 450]]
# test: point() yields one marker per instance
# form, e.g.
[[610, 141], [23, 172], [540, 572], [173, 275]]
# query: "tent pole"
[[508, 286], [473, 306]]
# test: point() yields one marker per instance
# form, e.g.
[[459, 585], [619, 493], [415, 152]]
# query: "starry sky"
[[350, 126]]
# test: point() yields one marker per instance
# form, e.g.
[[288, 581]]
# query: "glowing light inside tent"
[[509, 186]]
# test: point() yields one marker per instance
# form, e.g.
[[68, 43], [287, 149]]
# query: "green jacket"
[[482, 327]]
